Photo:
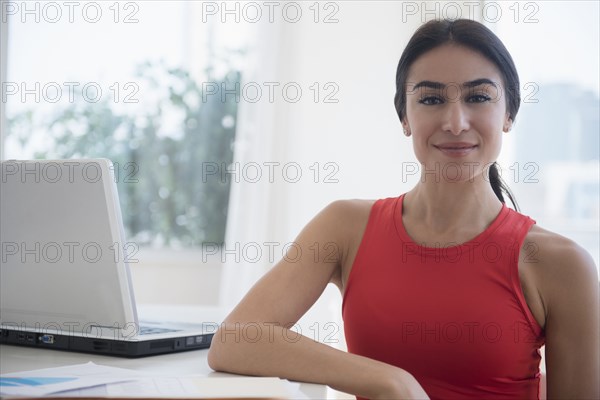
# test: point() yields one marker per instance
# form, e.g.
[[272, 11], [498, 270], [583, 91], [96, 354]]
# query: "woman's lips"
[[456, 149]]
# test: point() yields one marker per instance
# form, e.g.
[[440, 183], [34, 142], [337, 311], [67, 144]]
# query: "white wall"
[[183, 277], [361, 133]]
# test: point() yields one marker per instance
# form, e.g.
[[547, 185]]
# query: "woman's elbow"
[[215, 354]]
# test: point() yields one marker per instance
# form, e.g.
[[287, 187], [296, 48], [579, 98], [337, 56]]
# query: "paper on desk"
[[91, 380], [204, 387], [53, 380]]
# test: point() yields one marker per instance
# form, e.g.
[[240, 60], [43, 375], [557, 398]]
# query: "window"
[[139, 83], [551, 157]]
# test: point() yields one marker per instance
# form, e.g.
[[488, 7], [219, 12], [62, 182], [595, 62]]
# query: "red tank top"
[[454, 317]]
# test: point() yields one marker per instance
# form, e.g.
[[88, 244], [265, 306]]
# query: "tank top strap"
[[516, 229]]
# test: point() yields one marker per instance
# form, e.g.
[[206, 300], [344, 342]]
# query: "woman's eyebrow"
[[478, 82], [469, 84]]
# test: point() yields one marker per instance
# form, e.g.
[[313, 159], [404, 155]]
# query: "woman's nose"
[[456, 118]]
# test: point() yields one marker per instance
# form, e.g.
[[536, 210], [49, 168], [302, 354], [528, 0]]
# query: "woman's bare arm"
[[255, 340], [568, 284]]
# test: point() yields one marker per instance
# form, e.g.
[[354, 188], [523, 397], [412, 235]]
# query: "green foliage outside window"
[[166, 200]]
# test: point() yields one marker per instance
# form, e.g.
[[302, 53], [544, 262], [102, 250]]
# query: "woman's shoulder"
[[341, 219], [357, 210], [350, 216], [350, 207], [348, 219], [556, 252], [558, 264]]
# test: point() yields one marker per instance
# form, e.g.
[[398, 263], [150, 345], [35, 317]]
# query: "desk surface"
[[16, 358]]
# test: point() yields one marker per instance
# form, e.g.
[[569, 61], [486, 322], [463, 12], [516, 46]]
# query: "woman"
[[447, 292]]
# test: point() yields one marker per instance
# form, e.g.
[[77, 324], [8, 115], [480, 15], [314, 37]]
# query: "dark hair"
[[475, 36]]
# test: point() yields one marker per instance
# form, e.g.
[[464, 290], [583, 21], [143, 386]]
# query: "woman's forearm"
[[268, 350]]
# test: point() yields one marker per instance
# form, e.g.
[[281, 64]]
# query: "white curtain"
[[256, 220]]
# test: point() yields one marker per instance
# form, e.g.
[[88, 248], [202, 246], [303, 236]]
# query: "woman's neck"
[[447, 206]]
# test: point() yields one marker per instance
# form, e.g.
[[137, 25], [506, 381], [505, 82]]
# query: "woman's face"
[[455, 112]]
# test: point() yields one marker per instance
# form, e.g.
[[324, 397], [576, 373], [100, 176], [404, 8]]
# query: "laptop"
[[64, 276]]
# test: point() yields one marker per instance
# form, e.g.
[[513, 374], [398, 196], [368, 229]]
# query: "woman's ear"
[[507, 124], [405, 127]]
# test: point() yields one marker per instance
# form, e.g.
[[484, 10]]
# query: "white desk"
[[16, 358]]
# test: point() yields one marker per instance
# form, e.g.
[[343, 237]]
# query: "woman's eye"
[[430, 100], [478, 98]]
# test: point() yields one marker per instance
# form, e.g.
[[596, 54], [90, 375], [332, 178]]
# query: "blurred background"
[[231, 124]]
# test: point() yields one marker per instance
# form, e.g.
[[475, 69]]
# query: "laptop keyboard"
[[149, 330]]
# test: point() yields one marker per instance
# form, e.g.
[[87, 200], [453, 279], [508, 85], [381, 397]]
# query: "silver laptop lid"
[[63, 261]]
